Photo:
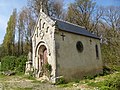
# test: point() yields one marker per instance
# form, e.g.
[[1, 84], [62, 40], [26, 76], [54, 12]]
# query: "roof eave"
[[79, 34]]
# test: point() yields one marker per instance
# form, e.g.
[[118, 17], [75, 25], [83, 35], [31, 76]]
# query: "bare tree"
[[36, 5], [56, 9], [110, 23], [26, 24], [84, 13], [112, 17], [52, 8]]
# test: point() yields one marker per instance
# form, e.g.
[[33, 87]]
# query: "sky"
[[108, 2], [6, 9], [7, 6]]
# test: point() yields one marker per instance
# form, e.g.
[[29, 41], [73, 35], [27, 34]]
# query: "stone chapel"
[[66, 49]]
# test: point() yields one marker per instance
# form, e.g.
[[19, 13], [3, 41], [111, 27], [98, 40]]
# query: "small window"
[[47, 29], [97, 52], [40, 24], [43, 25], [79, 46]]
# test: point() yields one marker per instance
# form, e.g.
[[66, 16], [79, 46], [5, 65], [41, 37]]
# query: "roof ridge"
[[68, 22]]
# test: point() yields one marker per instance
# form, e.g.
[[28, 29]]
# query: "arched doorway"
[[42, 60]]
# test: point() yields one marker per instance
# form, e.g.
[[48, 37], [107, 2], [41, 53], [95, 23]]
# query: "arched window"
[[79, 46], [47, 29], [97, 51], [43, 25]]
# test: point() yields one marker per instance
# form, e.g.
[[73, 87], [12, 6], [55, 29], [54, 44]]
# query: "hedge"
[[8, 63], [13, 63]]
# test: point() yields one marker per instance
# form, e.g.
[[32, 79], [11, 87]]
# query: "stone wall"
[[74, 64], [44, 35]]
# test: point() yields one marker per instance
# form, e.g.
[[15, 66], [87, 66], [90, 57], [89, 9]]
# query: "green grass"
[[18, 88], [66, 85], [103, 82], [29, 77], [0, 66], [107, 81], [110, 82], [3, 78]]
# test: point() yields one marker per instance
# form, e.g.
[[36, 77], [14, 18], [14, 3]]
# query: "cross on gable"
[[63, 36]]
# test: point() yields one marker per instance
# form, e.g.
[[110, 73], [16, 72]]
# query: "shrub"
[[8, 63], [115, 82], [61, 80], [107, 70], [48, 67], [111, 83], [110, 54], [110, 69], [20, 64], [89, 77], [13, 63], [115, 68], [105, 88]]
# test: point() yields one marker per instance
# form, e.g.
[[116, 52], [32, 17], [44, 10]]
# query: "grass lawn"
[[22, 82]]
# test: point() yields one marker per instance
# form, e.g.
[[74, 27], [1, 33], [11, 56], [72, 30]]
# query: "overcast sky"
[[7, 6]]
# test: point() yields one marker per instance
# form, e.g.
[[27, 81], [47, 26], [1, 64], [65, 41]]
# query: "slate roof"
[[72, 28]]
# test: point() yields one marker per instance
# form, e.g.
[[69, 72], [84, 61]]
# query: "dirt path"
[[20, 83], [23, 83]]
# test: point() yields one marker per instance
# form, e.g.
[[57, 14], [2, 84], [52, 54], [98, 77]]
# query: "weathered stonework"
[[44, 36], [57, 48], [28, 67]]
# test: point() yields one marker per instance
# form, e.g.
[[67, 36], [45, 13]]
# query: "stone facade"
[[68, 54], [44, 36]]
